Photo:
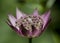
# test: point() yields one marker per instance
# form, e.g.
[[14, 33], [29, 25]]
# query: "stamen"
[[30, 20]]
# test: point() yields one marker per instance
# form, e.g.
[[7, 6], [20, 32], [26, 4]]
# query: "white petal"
[[19, 14], [35, 12], [12, 19], [17, 28]]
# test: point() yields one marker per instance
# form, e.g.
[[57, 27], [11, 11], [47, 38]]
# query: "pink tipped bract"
[[29, 25]]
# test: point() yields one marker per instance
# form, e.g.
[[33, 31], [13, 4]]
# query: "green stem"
[[30, 40]]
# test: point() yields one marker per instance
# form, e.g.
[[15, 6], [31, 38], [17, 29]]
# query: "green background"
[[50, 35]]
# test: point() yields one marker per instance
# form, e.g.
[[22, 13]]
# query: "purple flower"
[[29, 25]]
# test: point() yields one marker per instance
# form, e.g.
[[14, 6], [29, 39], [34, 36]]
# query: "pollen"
[[30, 20]]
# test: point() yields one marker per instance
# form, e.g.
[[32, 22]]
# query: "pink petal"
[[35, 12], [19, 14], [37, 33], [19, 31], [16, 29], [45, 18], [12, 19]]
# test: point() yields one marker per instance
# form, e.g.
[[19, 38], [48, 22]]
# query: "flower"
[[29, 25]]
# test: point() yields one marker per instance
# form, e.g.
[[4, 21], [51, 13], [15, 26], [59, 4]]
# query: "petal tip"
[[46, 14], [19, 14], [46, 17], [12, 19], [35, 11]]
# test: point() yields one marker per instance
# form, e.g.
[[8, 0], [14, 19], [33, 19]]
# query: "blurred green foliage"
[[52, 33]]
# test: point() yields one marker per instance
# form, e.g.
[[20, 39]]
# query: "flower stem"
[[30, 40]]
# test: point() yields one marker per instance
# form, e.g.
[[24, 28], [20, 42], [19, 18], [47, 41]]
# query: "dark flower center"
[[30, 21]]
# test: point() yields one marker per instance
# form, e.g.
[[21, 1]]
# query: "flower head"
[[29, 25]]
